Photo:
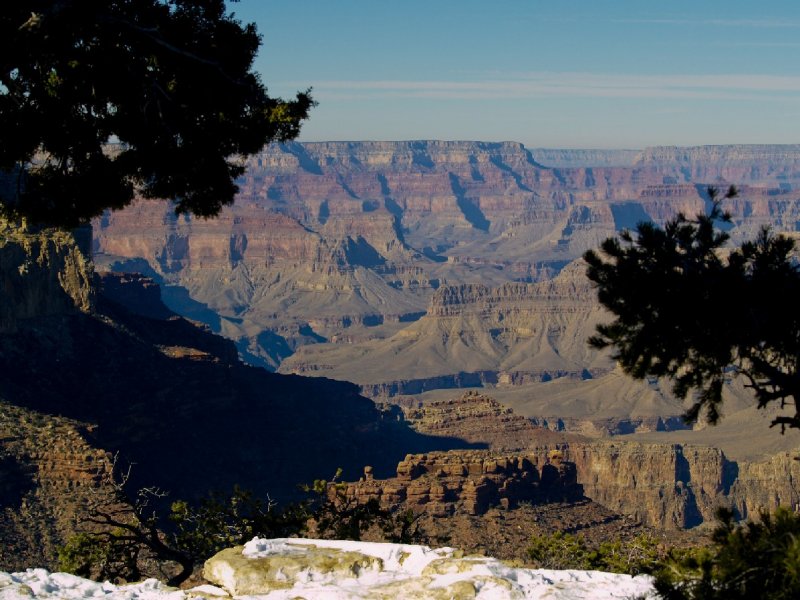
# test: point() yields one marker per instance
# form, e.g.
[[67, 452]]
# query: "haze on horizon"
[[582, 74]]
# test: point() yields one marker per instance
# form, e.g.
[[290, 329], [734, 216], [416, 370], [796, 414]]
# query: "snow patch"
[[396, 571]]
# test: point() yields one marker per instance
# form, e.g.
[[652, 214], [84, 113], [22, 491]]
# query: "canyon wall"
[[668, 486], [474, 334], [337, 244], [413, 267], [120, 375], [42, 273], [467, 482]]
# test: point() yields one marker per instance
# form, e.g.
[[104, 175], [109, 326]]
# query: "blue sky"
[[561, 73]]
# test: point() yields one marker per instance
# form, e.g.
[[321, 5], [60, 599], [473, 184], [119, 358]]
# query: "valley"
[[415, 313], [414, 268]]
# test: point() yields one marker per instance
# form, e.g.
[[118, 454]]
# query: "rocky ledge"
[[478, 418], [468, 482]]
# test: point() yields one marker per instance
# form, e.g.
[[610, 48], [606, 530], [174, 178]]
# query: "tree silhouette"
[[102, 99], [686, 311]]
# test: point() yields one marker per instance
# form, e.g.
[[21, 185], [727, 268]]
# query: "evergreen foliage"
[[754, 561], [121, 536], [686, 312], [567, 551], [168, 82]]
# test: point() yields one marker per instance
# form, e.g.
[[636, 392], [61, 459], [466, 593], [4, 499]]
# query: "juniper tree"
[[691, 311], [102, 99]]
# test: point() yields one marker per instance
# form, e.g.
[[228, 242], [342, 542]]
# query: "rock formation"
[[49, 472], [468, 482], [471, 335], [43, 273], [668, 486], [338, 258], [478, 418]]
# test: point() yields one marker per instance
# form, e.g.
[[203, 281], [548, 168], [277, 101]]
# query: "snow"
[[38, 583], [401, 571]]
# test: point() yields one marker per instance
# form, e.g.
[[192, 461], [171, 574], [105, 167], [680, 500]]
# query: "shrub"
[[755, 560], [101, 556], [561, 551], [566, 551], [122, 534]]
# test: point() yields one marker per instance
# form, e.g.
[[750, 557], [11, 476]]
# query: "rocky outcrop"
[[49, 472], [43, 273], [467, 482], [679, 485], [668, 486], [478, 418], [762, 486]]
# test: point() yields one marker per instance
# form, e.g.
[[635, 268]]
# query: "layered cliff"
[[662, 485], [348, 242], [43, 273], [49, 472], [467, 482], [473, 334], [478, 418]]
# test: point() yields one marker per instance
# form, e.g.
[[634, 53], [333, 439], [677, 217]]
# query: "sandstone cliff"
[[43, 273], [468, 482], [668, 486]]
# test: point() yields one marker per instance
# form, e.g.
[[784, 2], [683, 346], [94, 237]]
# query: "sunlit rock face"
[[43, 273]]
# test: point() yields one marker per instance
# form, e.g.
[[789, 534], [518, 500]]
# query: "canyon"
[[414, 268], [367, 285]]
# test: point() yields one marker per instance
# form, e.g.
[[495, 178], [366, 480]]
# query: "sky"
[[557, 73]]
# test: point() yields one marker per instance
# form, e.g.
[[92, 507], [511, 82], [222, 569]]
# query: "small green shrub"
[[566, 551], [640, 555], [561, 551], [109, 555]]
